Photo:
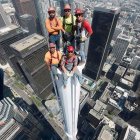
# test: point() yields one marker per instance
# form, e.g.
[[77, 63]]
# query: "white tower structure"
[[69, 100]]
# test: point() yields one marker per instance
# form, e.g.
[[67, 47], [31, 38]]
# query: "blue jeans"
[[55, 39], [76, 74], [81, 49], [54, 70]]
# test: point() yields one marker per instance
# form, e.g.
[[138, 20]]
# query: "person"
[[52, 59], [68, 22], [53, 25], [69, 64], [83, 32]]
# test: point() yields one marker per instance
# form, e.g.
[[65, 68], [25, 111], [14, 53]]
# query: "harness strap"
[[55, 22], [66, 60], [81, 29], [64, 22], [54, 57]]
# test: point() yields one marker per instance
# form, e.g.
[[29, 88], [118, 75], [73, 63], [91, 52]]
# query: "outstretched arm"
[[63, 64]]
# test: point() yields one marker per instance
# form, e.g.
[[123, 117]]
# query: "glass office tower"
[[30, 53], [103, 24], [1, 83]]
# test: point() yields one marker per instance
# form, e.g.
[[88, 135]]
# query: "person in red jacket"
[[83, 32]]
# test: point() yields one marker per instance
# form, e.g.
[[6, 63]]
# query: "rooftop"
[[98, 110], [120, 70], [119, 89], [8, 8], [126, 82], [132, 133], [106, 67], [107, 8], [89, 84], [114, 103], [106, 133], [27, 43], [7, 29], [125, 37], [105, 95], [99, 106], [130, 75]]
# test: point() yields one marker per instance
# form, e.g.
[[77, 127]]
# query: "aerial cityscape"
[[69, 69]]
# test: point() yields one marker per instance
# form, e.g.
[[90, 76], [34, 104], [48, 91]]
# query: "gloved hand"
[[66, 72], [71, 73], [84, 38]]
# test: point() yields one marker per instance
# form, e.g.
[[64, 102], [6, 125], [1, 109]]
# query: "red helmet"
[[70, 48], [79, 11]]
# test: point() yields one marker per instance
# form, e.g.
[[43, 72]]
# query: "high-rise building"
[[120, 47], [42, 11], [135, 62], [107, 133], [8, 35], [17, 123], [103, 24], [27, 23], [4, 1], [10, 12], [1, 83], [3, 18], [30, 53], [118, 74], [27, 7], [130, 132]]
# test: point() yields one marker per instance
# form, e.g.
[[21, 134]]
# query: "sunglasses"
[[67, 10], [70, 51], [52, 47], [51, 12], [78, 15]]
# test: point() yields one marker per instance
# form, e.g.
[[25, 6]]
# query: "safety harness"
[[57, 57], [56, 21], [72, 23], [72, 60]]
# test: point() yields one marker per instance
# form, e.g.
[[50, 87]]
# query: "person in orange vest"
[[52, 59], [83, 32], [69, 64], [53, 25]]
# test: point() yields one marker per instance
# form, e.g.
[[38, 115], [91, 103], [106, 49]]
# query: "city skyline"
[[35, 106]]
